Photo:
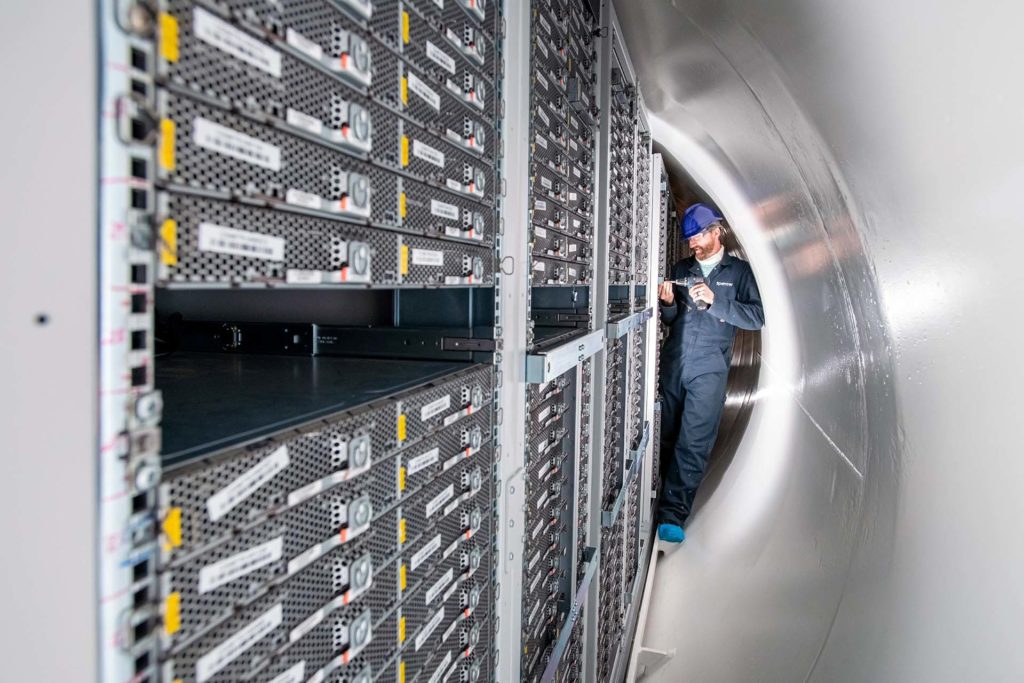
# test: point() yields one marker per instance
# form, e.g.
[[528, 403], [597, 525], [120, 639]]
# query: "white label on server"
[[300, 198], [304, 44], [540, 232], [226, 37], [306, 492], [533, 561], [304, 121], [545, 182], [227, 570], [443, 210], [440, 499], [223, 240], [448, 631], [452, 506], [576, 171], [439, 3], [441, 668], [439, 586], [542, 415], [310, 623], [434, 408], [423, 553], [304, 559], [573, 145], [533, 612], [573, 247], [543, 48], [544, 470], [542, 141], [438, 56], [537, 529], [542, 80], [219, 657], [421, 462], [543, 499], [540, 205], [428, 153], [539, 266], [429, 628], [536, 580], [453, 184], [576, 223], [222, 502], [572, 272], [427, 257], [544, 23], [223, 140], [572, 196], [542, 116], [424, 91], [296, 674], [296, 276]]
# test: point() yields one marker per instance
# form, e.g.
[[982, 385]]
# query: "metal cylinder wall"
[[868, 156]]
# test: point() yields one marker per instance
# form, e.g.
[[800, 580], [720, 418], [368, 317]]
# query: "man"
[[707, 297]]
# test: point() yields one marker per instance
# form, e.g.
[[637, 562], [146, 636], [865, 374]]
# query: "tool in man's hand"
[[688, 282]]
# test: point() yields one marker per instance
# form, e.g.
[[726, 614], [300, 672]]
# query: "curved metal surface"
[[868, 156]]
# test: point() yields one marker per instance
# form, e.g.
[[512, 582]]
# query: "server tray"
[[213, 401]]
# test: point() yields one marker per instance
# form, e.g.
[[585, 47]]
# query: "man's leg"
[[703, 400], [673, 396]]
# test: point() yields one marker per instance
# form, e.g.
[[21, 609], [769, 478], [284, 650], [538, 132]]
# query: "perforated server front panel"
[[562, 144], [314, 142]]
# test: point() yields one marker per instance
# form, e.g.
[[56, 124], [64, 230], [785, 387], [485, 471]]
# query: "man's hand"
[[666, 294], [701, 292]]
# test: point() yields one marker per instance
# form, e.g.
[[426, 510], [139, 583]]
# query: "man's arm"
[[745, 311], [669, 311]]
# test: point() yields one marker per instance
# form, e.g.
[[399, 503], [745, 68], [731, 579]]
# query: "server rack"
[[377, 297], [308, 487]]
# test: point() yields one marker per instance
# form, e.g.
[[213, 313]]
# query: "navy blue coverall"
[[694, 367]]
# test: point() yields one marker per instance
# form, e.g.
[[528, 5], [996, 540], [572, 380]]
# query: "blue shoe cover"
[[671, 533]]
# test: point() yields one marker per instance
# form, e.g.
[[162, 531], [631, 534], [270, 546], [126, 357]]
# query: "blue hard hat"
[[697, 218]]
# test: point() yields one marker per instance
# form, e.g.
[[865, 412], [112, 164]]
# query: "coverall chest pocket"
[[724, 287]]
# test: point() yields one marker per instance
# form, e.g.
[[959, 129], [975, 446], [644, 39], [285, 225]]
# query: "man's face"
[[706, 243]]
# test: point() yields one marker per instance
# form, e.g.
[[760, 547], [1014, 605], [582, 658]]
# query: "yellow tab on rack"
[[172, 528], [405, 90], [401, 531], [401, 630], [401, 422], [169, 242], [172, 613], [402, 578], [166, 153], [169, 37], [401, 672], [405, 27], [404, 270], [401, 478], [401, 205], [405, 151]]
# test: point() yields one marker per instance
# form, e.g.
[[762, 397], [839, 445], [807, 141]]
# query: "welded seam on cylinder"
[[833, 444], [830, 441]]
